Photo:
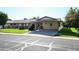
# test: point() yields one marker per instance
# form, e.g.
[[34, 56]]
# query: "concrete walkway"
[[60, 37], [38, 35]]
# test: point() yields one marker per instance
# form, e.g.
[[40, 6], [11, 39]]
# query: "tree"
[[34, 18], [3, 18], [72, 17], [77, 18]]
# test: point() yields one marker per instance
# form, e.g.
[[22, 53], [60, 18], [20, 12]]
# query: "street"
[[34, 43]]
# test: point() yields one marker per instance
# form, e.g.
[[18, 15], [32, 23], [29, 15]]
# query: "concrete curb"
[[73, 38], [27, 34], [11, 33]]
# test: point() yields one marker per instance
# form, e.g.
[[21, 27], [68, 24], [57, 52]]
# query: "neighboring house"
[[17, 24], [41, 23]]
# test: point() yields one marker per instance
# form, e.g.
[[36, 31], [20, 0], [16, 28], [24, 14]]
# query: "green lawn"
[[69, 32], [18, 31]]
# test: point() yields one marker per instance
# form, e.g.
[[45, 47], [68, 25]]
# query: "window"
[[11, 24], [14, 23], [50, 24]]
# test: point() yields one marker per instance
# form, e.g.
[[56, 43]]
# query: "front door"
[[50, 26]]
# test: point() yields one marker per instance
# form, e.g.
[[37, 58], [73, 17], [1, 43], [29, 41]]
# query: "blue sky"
[[17, 13]]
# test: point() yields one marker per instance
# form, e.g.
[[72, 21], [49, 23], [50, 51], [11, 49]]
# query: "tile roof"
[[45, 18], [20, 21]]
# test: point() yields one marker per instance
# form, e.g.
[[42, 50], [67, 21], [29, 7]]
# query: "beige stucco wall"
[[46, 25], [61, 25]]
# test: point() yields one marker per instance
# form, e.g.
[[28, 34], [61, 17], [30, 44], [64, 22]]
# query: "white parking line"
[[42, 45], [25, 45], [35, 41], [50, 46]]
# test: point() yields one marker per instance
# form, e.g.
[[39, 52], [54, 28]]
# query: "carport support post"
[[35, 26]]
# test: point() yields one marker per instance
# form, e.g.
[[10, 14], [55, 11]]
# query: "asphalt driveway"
[[34, 43], [45, 32]]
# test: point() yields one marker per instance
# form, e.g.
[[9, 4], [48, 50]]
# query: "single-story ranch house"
[[38, 23]]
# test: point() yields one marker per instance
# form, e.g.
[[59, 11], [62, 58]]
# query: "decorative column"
[[35, 26]]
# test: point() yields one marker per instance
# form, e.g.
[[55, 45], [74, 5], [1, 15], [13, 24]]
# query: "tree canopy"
[[3, 18], [72, 17]]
